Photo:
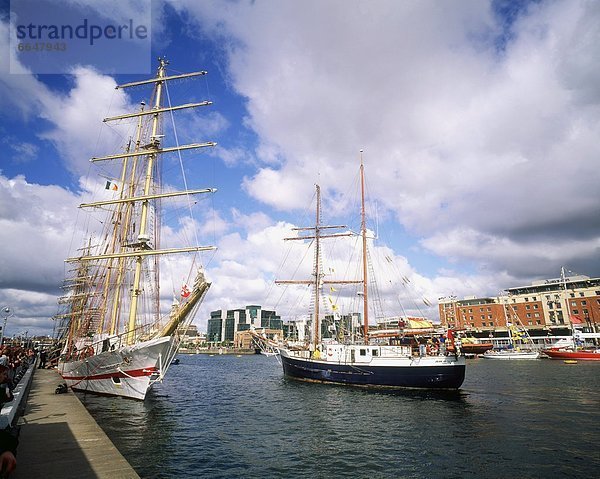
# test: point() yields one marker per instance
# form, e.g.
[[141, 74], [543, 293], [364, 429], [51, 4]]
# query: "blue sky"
[[478, 122]]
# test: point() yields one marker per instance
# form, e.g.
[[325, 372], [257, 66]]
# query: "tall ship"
[[116, 338], [358, 359]]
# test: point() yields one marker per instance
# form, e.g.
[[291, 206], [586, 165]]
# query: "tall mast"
[[316, 321], [506, 321], [143, 234], [317, 282], [564, 282], [115, 311], [363, 231]]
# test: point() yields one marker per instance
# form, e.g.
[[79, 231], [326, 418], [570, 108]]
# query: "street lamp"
[[7, 313]]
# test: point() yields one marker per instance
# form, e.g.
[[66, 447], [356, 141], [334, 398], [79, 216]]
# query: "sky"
[[477, 120]]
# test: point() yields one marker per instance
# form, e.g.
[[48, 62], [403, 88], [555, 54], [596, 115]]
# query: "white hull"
[[128, 371], [511, 355]]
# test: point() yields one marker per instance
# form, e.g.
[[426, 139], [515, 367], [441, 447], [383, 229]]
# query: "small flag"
[[185, 292], [111, 186], [576, 319], [333, 305]]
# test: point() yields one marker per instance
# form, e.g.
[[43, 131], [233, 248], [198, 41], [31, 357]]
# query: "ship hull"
[[128, 372], [430, 372], [593, 355]]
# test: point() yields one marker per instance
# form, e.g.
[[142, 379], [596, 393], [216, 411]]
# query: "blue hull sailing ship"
[[115, 339], [362, 363]]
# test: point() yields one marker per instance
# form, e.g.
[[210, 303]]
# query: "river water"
[[237, 417]]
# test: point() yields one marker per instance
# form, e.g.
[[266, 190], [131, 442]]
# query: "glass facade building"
[[223, 324]]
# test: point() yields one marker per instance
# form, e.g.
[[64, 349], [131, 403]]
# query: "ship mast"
[[143, 236], [141, 248], [363, 232], [317, 273], [317, 281]]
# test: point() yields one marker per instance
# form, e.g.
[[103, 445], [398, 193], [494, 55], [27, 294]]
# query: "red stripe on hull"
[[136, 373]]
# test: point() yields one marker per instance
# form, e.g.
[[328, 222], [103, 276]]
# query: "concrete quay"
[[59, 438]]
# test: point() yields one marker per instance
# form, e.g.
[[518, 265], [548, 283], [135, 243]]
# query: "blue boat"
[[361, 360]]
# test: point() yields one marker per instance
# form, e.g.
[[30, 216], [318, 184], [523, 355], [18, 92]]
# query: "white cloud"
[[460, 131]]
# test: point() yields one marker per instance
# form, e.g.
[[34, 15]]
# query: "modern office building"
[[225, 323], [548, 307]]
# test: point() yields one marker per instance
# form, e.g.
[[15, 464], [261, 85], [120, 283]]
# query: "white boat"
[[511, 354], [116, 339], [358, 361], [520, 345]]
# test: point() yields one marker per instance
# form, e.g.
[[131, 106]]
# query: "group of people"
[[448, 343], [14, 362]]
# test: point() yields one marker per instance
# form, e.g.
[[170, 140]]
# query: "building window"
[[575, 311], [535, 298], [536, 306], [363, 352], [528, 307], [528, 315], [584, 303], [582, 294]]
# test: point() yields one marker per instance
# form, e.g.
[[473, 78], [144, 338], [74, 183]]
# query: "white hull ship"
[[362, 363], [115, 339], [128, 371]]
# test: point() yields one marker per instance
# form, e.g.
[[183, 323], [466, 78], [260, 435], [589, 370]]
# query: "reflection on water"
[[227, 416]]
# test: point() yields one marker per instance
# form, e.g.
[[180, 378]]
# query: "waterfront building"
[[225, 323], [542, 308]]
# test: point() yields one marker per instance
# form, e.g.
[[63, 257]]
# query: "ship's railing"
[[12, 410], [90, 346]]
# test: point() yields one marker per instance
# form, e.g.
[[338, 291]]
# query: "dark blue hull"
[[410, 376]]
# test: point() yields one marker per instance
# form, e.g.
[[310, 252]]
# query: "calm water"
[[229, 417]]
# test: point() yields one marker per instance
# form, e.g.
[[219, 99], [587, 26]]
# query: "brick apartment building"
[[545, 308]]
